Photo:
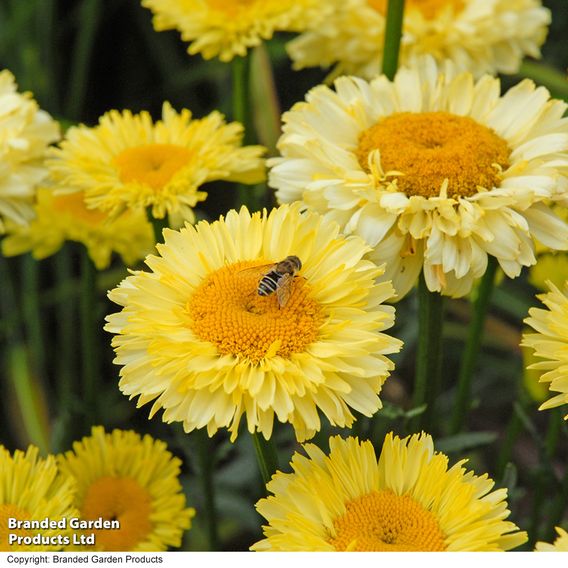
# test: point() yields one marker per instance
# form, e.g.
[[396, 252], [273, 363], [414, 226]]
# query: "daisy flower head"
[[435, 170], [123, 477], [480, 36], [32, 489], [407, 500], [202, 337], [559, 545], [25, 134], [63, 217], [550, 343], [129, 162], [228, 28]]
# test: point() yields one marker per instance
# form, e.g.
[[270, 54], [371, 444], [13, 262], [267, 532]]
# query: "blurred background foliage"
[[83, 58]]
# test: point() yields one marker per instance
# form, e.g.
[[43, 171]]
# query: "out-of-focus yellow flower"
[[60, 218], [227, 28]]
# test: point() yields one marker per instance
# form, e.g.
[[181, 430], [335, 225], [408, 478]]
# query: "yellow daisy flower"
[[66, 217], [123, 477], [198, 337], [226, 28], [479, 36], [31, 489], [434, 170], [550, 343], [25, 133], [559, 545], [127, 162], [407, 500]]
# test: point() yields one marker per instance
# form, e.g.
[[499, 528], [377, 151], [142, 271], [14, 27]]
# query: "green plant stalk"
[[29, 403], [89, 16], [266, 455], [472, 346], [32, 313], [66, 333], [89, 340], [206, 454], [429, 352], [393, 34], [242, 105]]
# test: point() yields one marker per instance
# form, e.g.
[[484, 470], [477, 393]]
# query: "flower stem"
[[206, 453], [89, 339], [266, 456], [429, 354], [242, 105], [472, 346], [393, 33]]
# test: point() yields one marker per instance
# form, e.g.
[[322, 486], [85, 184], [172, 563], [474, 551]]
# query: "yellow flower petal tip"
[[559, 545]]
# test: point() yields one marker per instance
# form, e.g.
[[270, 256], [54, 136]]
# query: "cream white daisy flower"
[[25, 134], [436, 171]]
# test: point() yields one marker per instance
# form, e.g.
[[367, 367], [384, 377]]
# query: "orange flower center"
[[121, 499], [430, 147], [74, 204], [227, 310], [8, 511], [384, 522], [151, 164], [429, 8]]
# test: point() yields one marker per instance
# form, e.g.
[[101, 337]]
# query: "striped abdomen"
[[269, 283]]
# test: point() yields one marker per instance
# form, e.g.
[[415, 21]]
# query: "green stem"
[[393, 34], [32, 313], [206, 452], [542, 74], [89, 17], [429, 353], [66, 345], [29, 397], [89, 339], [266, 456], [514, 428], [472, 346], [241, 95], [242, 105]]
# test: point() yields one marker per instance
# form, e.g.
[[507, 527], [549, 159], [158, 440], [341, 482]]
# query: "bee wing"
[[284, 292], [256, 270]]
